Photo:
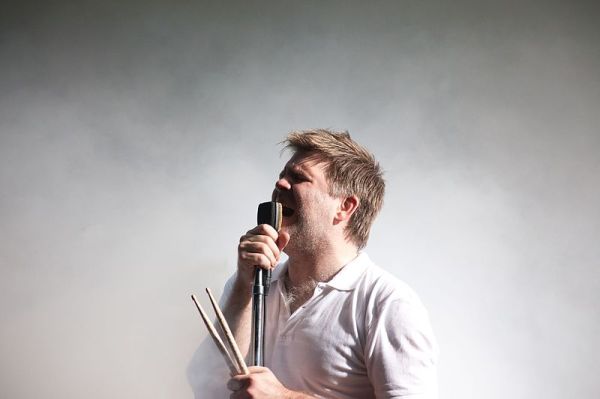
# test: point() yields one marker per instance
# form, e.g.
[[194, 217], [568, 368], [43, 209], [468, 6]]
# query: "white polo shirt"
[[364, 334]]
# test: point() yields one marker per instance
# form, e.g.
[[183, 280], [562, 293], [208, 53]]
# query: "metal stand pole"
[[258, 317]]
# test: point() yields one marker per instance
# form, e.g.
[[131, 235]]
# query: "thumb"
[[283, 240]]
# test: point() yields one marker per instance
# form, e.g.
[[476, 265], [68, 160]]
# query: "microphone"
[[270, 213]]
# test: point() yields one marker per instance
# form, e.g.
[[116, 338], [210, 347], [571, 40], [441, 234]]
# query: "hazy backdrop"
[[137, 138]]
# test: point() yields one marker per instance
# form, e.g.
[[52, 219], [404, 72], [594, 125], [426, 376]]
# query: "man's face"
[[303, 189]]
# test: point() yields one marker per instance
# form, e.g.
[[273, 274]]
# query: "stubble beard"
[[307, 240], [307, 234]]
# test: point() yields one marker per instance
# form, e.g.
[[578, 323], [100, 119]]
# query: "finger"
[[283, 240], [260, 248], [264, 229], [257, 369], [267, 241], [254, 259]]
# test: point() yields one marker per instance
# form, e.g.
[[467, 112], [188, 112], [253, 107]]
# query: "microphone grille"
[[270, 213]]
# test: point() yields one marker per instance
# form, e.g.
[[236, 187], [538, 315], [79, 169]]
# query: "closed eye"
[[295, 175]]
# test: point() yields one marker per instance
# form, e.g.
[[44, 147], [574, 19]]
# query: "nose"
[[282, 184]]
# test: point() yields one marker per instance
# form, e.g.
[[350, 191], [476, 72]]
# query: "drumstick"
[[228, 335], [215, 336]]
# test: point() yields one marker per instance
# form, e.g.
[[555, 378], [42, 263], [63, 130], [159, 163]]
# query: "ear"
[[348, 206]]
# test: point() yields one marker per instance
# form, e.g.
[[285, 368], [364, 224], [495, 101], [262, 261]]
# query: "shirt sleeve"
[[401, 351], [207, 372]]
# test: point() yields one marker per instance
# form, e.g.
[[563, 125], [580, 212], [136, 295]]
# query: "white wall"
[[137, 140]]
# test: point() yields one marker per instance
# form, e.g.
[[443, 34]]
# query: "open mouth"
[[287, 212]]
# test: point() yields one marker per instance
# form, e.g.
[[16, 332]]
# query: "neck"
[[319, 265]]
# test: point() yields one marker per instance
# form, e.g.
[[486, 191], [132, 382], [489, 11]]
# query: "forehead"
[[308, 162]]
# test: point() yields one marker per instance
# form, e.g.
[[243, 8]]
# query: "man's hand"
[[261, 383], [262, 247]]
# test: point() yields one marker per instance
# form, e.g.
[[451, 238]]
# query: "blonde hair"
[[350, 169]]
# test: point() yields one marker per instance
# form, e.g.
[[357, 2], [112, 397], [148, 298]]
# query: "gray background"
[[137, 139]]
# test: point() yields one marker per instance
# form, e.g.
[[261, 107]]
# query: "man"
[[337, 326]]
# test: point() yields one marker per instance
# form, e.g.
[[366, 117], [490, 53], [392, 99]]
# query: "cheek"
[[324, 206], [288, 220]]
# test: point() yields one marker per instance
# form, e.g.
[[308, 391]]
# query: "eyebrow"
[[295, 171]]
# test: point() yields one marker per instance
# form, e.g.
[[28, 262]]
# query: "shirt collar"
[[344, 280], [347, 277], [279, 271]]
